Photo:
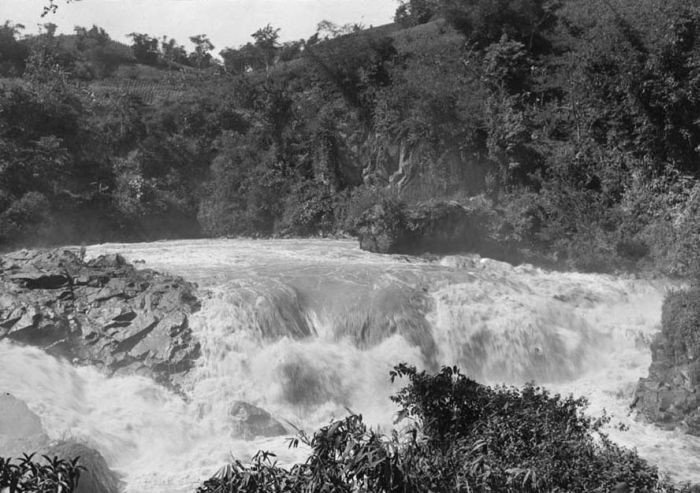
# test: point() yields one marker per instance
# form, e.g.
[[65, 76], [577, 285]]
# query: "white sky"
[[228, 23]]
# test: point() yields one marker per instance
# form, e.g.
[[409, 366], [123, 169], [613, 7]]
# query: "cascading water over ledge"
[[303, 329]]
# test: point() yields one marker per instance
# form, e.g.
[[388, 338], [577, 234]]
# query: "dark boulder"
[[670, 395], [384, 228], [96, 477], [102, 312], [442, 227], [251, 421]]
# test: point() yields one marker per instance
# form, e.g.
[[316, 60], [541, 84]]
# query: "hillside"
[[572, 126]]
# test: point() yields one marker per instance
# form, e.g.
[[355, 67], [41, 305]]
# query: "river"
[[309, 329]]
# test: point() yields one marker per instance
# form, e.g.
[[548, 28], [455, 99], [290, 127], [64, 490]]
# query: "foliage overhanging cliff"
[[575, 121]]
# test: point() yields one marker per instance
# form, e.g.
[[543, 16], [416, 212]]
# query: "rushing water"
[[308, 329]]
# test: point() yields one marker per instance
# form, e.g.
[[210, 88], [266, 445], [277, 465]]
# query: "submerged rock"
[[102, 312], [670, 395], [251, 421]]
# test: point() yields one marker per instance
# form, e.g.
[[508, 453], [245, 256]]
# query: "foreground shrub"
[[466, 437], [27, 475]]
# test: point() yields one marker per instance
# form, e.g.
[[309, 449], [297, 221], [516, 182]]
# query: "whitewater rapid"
[[309, 329]]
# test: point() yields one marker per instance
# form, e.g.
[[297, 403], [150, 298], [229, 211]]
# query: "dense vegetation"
[[28, 475], [570, 128], [467, 438], [575, 122]]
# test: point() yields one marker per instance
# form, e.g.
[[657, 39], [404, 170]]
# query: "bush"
[[308, 210], [25, 217], [27, 475], [467, 437]]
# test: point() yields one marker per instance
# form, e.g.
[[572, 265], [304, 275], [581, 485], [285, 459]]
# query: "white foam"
[[577, 333]]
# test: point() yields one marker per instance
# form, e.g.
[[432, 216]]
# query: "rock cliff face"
[[670, 395], [101, 312]]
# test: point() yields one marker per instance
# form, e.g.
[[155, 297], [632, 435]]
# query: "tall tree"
[[266, 41], [201, 56], [145, 48], [13, 53]]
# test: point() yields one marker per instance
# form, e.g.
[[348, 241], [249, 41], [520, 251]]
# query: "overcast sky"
[[228, 23]]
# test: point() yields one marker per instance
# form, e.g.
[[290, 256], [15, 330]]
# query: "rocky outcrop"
[[101, 312], [670, 395], [443, 227]]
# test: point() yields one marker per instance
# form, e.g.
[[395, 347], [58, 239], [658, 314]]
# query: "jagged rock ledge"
[[670, 395], [102, 312]]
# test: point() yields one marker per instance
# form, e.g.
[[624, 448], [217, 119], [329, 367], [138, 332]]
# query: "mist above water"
[[307, 329]]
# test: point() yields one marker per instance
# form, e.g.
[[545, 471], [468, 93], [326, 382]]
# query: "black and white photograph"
[[349, 246]]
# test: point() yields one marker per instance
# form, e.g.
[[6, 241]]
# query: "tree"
[[13, 53], [172, 51], [485, 21], [414, 12], [145, 48], [266, 41], [97, 55], [357, 67], [241, 60], [50, 29], [94, 35], [201, 56], [290, 50]]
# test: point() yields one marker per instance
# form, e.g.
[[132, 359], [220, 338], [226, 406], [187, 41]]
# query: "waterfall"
[[308, 330]]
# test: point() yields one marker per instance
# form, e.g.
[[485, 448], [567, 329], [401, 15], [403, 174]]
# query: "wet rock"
[[251, 421], [384, 229], [97, 476], [102, 312], [670, 395], [442, 227], [109, 261]]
